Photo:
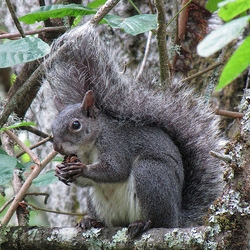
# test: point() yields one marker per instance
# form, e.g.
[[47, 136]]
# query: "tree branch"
[[215, 65], [19, 96], [144, 60], [6, 204], [108, 238], [165, 66], [20, 195], [108, 6], [32, 32], [227, 113], [23, 146], [15, 19], [52, 211], [35, 131], [36, 145]]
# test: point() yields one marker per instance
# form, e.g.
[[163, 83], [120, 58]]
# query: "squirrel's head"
[[75, 125]]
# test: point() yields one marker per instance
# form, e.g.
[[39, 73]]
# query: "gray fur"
[[81, 62]]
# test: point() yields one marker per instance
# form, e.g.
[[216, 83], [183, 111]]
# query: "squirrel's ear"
[[58, 103], [88, 103]]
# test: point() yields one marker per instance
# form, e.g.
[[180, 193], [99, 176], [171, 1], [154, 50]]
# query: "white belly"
[[116, 203]]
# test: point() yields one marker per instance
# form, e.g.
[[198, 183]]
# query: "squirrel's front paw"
[[70, 169]]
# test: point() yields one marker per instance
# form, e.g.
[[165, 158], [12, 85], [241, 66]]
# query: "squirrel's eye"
[[76, 125]]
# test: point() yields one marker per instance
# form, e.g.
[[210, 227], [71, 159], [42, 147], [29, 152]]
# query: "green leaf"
[[57, 159], [139, 24], [17, 125], [45, 179], [23, 50], [7, 165], [56, 11], [219, 38], [212, 5], [6, 177], [132, 25], [2, 152], [6, 162], [113, 20], [232, 9], [95, 4], [20, 166], [237, 63]]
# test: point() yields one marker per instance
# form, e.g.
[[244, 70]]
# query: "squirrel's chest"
[[116, 203]]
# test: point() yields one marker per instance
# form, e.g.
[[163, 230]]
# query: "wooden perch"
[[113, 238]]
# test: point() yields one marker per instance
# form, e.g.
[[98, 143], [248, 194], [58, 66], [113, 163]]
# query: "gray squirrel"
[[145, 153]]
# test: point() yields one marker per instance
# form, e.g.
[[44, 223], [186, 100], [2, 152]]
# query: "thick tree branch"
[[113, 238], [20, 95]]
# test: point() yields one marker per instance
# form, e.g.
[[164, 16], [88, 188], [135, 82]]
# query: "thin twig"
[[35, 131], [231, 114], [165, 66], [134, 6], [201, 72], [178, 12], [39, 194], [15, 19], [20, 195], [36, 145], [52, 211], [34, 158], [151, 7], [145, 55], [6, 204], [32, 32], [109, 5]]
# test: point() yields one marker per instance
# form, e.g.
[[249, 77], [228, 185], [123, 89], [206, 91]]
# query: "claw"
[[86, 223], [70, 169], [138, 227]]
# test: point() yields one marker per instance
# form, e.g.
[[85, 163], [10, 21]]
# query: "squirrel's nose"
[[58, 147]]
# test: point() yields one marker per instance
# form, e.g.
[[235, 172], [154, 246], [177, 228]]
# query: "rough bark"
[[70, 238]]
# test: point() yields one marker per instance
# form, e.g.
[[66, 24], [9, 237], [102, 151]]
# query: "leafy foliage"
[[31, 48], [56, 11], [7, 165], [219, 38], [96, 3], [133, 25], [222, 36], [45, 179], [21, 51], [229, 10], [238, 62], [17, 125], [212, 5]]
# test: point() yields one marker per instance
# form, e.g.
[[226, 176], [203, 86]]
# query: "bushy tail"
[[80, 61]]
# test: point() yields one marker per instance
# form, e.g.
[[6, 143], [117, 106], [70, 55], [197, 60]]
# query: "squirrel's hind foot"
[[138, 227], [87, 223]]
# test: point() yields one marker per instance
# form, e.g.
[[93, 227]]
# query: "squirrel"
[[145, 153]]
